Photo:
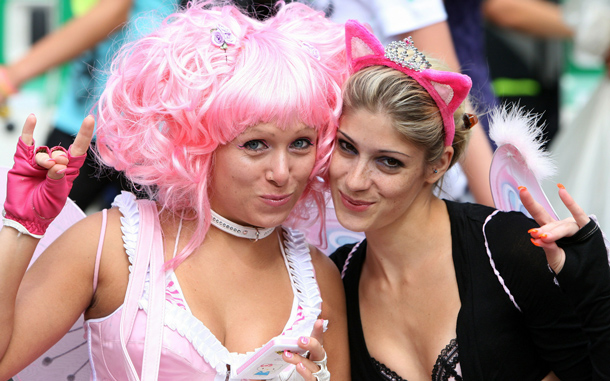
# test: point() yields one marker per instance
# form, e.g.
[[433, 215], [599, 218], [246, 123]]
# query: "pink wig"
[[174, 96]]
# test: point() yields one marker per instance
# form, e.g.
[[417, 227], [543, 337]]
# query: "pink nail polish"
[[50, 159], [288, 354], [304, 340], [301, 366], [61, 171]]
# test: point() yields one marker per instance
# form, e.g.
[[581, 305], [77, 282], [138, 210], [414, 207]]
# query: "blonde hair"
[[412, 111]]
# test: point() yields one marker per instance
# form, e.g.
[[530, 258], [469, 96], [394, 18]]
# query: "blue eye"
[[254, 145], [302, 143]]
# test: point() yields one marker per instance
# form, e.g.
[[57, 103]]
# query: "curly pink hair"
[[173, 97]]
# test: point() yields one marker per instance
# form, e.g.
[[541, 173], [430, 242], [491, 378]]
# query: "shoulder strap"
[[149, 251], [100, 245]]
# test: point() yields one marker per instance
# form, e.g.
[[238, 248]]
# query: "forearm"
[[16, 251], [476, 164], [435, 41], [71, 40], [536, 17]]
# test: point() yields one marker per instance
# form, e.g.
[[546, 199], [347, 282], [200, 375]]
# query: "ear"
[[449, 89], [441, 166], [360, 42]]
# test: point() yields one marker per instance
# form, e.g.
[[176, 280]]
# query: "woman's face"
[[260, 175], [376, 176]]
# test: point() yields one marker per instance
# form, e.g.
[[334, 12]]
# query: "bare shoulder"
[[326, 270], [329, 281]]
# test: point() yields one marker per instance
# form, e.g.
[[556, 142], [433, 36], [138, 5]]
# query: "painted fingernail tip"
[[521, 188], [534, 242], [304, 340], [288, 354], [533, 231], [560, 186]]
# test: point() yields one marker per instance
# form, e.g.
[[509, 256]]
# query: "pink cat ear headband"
[[448, 89]]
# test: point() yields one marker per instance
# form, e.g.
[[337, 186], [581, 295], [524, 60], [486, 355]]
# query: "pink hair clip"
[[448, 89], [223, 37]]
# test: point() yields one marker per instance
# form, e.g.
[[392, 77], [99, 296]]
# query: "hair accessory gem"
[[406, 54], [223, 37], [470, 120], [447, 89], [312, 50]]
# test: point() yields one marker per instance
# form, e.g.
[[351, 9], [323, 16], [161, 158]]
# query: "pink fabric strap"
[[149, 251], [100, 245]]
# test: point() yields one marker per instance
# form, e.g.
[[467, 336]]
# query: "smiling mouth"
[[355, 205]]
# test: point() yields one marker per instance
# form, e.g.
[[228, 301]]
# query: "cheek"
[[340, 167], [303, 166]]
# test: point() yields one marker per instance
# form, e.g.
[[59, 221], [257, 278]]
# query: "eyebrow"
[[346, 136]]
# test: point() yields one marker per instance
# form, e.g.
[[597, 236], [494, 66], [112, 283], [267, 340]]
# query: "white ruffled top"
[[178, 317]]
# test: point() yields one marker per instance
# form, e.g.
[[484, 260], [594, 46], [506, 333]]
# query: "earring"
[[435, 170]]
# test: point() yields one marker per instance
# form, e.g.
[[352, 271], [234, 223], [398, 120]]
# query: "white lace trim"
[[298, 263]]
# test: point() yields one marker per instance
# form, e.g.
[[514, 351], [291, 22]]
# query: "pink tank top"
[[180, 347]]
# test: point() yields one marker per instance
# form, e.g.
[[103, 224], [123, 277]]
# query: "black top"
[[496, 340]]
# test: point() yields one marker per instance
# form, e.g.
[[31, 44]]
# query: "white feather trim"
[[511, 124]]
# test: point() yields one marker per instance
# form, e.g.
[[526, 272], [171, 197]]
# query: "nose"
[[358, 176], [278, 172]]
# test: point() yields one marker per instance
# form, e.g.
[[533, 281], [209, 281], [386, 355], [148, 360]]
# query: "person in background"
[[89, 41]]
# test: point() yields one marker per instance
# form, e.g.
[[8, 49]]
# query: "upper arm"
[[435, 40], [54, 292], [333, 310]]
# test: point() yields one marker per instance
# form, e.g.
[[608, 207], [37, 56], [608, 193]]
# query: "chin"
[[350, 221]]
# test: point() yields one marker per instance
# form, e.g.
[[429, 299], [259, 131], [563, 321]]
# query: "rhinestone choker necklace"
[[237, 230]]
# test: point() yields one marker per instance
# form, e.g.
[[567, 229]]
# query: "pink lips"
[[354, 205], [276, 200]]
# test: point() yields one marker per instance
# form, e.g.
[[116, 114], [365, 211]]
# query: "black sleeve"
[[553, 326], [585, 279]]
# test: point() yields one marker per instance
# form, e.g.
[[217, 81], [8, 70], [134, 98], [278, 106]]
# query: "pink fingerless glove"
[[33, 200]]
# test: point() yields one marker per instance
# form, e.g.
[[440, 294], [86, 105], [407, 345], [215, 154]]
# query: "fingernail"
[[61, 171], [560, 186], [304, 340], [543, 235], [534, 242], [288, 354], [50, 159], [533, 231], [301, 366], [521, 187]]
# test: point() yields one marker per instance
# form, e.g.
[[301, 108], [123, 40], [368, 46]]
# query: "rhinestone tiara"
[[406, 55]]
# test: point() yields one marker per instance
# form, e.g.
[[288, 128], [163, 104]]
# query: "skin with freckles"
[[378, 178], [268, 168]]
